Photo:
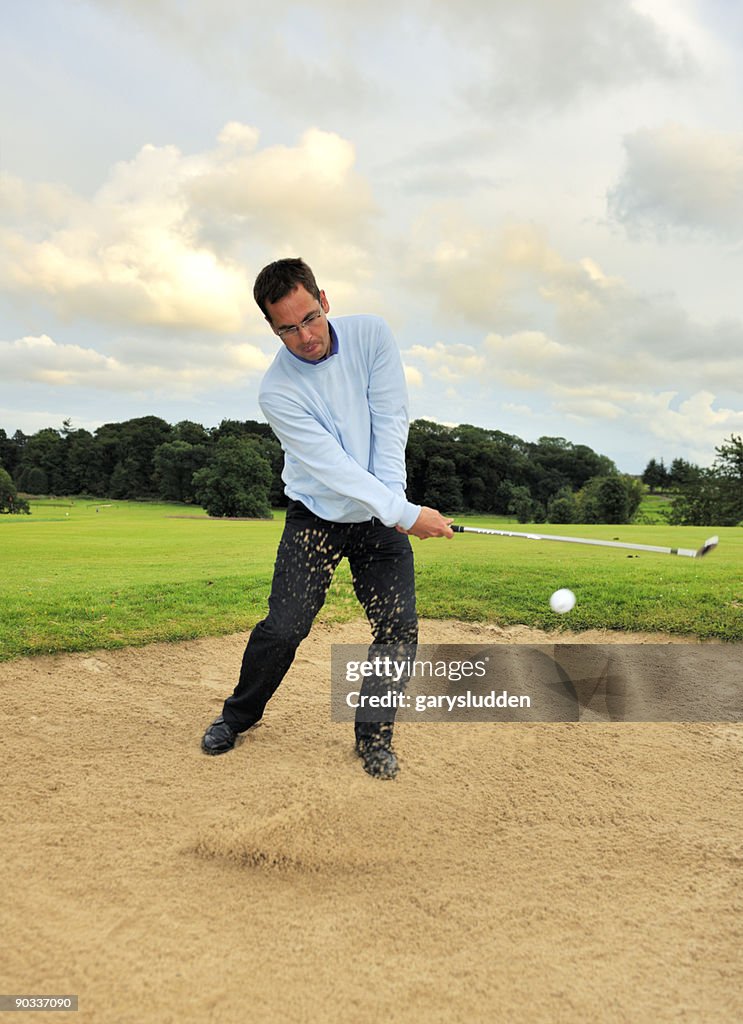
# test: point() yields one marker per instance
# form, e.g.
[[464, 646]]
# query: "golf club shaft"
[[688, 552]]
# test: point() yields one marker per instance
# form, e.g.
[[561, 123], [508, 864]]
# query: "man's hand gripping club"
[[429, 523]]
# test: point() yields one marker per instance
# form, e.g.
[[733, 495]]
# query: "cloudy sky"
[[544, 198]]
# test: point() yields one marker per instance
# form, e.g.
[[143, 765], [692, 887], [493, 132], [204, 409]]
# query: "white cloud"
[[589, 326], [126, 256], [491, 274], [518, 409], [542, 53], [535, 52], [282, 187], [607, 354], [42, 360], [680, 179], [531, 355], [449, 362], [696, 420], [287, 200], [164, 239], [32, 420], [367, 111]]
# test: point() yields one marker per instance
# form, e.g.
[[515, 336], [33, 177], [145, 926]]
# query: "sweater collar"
[[333, 350]]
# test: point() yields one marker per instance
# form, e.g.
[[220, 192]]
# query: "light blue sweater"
[[343, 425]]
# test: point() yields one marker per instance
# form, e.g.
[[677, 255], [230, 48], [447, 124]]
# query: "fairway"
[[80, 574]]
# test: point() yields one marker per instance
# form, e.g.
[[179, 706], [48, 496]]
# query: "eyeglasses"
[[292, 332]]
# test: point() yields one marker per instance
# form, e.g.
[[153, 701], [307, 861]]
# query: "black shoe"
[[218, 738], [378, 757]]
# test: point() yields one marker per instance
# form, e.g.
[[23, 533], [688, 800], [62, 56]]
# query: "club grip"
[[456, 528]]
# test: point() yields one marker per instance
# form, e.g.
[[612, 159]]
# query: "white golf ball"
[[562, 601]]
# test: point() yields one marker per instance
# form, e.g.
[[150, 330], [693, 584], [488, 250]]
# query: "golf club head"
[[709, 545]]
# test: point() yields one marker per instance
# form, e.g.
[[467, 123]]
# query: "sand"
[[519, 872]]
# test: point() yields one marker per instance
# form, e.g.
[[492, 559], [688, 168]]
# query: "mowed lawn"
[[80, 574]]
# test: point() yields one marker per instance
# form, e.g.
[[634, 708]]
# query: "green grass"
[[616, 589], [654, 509], [79, 574]]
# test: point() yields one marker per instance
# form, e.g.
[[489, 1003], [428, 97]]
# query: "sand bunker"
[[520, 872]]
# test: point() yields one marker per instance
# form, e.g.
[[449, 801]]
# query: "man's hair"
[[280, 278]]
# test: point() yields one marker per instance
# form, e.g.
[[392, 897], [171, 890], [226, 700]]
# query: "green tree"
[[176, 462], [33, 480], [714, 496], [107, 441], [126, 479], [655, 475], [729, 467], [563, 508], [475, 456], [237, 480], [503, 497], [488, 464], [41, 469], [80, 462], [557, 463], [191, 433], [242, 428], [699, 502], [682, 472], [141, 437], [612, 498], [20, 440], [426, 440], [729, 459], [521, 504], [9, 500], [609, 499], [443, 486], [9, 452], [635, 494], [271, 449], [125, 456], [415, 465]]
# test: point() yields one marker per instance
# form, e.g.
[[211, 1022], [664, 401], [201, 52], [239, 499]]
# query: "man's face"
[[311, 341]]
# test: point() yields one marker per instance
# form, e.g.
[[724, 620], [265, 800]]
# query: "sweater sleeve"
[[388, 406], [322, 457]]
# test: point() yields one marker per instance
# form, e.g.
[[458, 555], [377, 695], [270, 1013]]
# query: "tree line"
[[235, 469], [702, 496]]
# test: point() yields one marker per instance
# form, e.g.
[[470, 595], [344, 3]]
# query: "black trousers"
[[381, 561]]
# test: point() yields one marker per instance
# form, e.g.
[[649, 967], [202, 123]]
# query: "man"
[[335, 397]]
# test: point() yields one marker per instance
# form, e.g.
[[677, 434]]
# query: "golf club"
[[708, 545]]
